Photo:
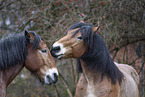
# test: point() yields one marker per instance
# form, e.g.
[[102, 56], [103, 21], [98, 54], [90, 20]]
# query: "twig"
[[127, 43], [141, 69], [56, 91], [115, 53], [73, 76], [133, 61], [66, 85]]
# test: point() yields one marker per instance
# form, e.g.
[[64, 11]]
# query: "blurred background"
[[122, 26]]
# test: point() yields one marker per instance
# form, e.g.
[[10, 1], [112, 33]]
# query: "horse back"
[[129, 86], [130, 70]]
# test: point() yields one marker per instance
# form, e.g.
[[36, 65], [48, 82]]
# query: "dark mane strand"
[[78, 66], [97, 56], [36, 39], [13, 49]]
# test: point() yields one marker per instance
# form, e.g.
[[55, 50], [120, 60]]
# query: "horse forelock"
[[13, 49], [86, 31], [97, 56]]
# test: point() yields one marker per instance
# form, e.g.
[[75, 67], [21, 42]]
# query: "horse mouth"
[[57, 56], [49, 81], [60, 56]]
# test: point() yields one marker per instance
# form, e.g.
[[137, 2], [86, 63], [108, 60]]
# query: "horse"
[[25, 50], [101, 76]]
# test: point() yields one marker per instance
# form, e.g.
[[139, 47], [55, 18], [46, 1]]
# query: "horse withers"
[[25, 50], [101, 77]]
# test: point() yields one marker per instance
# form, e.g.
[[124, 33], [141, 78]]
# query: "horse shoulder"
[[107, 89], [81, 89], [115, 91], [97, 88]]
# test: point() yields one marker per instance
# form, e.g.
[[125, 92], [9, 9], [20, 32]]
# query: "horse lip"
[[58, 56]]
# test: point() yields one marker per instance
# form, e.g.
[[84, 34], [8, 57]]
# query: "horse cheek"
[[79, 50]]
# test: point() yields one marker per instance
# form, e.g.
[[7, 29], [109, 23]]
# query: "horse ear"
[[29, 37], [95, 29]]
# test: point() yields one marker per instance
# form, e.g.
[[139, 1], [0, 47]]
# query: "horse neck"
[[89, 75], [97, 61], [10, 73]]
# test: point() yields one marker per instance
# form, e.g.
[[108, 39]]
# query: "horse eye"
[[80, 37], [44, 50]]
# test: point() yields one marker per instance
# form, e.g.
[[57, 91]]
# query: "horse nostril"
[[55, 77], [56, 49], [48, 76]]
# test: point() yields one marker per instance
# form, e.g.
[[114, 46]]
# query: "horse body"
[[26, 50], [129, 86], [9, 74], [90, 84], [6, 77], [101, 77]]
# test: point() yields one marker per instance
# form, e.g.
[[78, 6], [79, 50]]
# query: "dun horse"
[[101, 77], [26, 50]]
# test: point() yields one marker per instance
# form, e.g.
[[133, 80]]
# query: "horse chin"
[[63, 56], [45, 82], [59, 57], [50, 81]]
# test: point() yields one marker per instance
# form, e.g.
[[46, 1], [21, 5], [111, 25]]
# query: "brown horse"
[[25, 50], [101, 77]]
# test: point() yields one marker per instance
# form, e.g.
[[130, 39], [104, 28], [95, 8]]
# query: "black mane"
[[97, 56], [13, 49]]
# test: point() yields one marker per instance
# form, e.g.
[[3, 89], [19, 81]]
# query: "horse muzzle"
[[50, 76], [56, 52], [50, 79]]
